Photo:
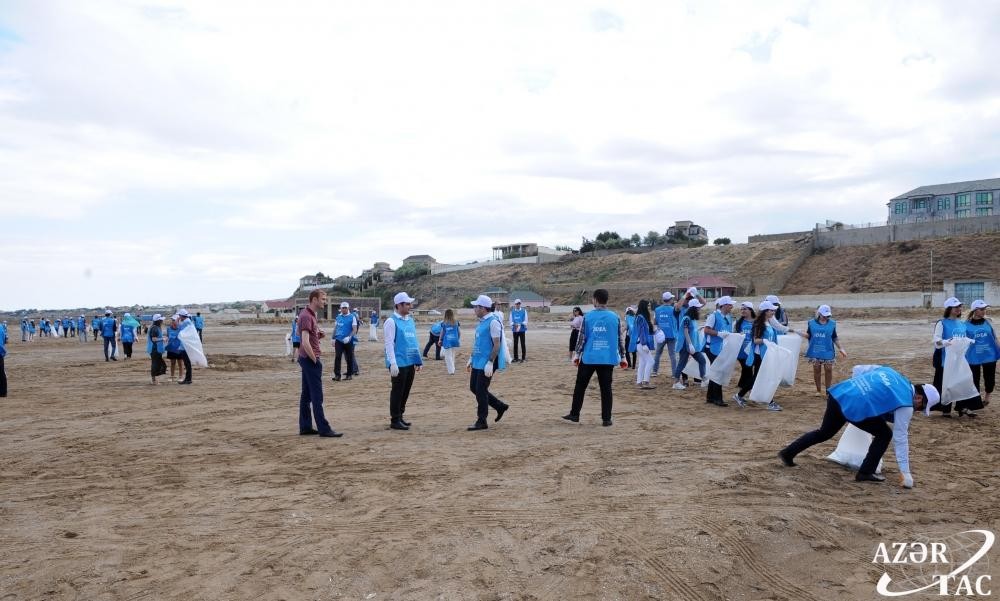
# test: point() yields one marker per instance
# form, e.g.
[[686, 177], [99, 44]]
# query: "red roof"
[[280, 304], [704, 281]]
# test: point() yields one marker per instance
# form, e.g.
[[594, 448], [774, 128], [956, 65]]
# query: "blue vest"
[[81, 324], [157, 333], [344, 327], [873, 394], [984, 349], [642, 334], [436, 328], [746, 327], [108, 327], [173, 343], [600, 347], [518, 316], [296, 337], [482, 347], [66, 324], [666, 320], [769, 334], [128, 333], [407, 346], [951, 328], [630, 324], [821, 339], [199, 322], [723, 323], [692, 328], [451, 335], [3, 341]]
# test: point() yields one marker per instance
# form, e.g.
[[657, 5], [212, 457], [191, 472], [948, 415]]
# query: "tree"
[[600, 244], [587, 246], [636, 240], [564, 247], [652, 238], [606, 236], [721, 241], [411, 271]]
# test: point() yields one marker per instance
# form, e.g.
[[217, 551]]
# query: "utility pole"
[[931, 283]]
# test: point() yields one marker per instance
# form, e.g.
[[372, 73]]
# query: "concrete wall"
[[906, 231], [898, 300], [776, 237], [439, 268]]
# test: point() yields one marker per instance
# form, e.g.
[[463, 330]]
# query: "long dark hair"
[[577, 310], [759, 325], [739, 322], [643, 311], [947, 312], [693, 313]]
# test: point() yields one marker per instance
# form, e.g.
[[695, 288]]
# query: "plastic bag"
[[192, 346], [956, 384], [852, 448], [659, 337], [721, 370], [288, 344], [792, 342], [691, 367], [769, 376]]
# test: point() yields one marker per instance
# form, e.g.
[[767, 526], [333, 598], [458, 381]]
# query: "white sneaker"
[[740, 402], [704, 383], [772, 406], [679, 386]]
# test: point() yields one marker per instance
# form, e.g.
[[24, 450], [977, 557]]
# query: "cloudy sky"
[[191, 151]]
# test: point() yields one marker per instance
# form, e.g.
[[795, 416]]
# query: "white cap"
[[175, 316], [692, 291], [932, 396], [184, 313], [668, 295], [107, 311], [952, 302], [483, 301], [724, 300], [517, 301], [774, 300], [978, 304], [766, 306], [747, 305], [128, 315], [157, 317], [824, 310], [402, 297], [695, 303], [345, 305]]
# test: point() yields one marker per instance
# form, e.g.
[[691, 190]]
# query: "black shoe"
[[606, 423], [184, 382], [719, 402], [347, 378], [331, 434], [404, 422], [571, 418], [106, 360], [335, 378], [398, 425], [500, 413], [114, 358], [862, 477], [786, 458], [477, 426], [309, 432]]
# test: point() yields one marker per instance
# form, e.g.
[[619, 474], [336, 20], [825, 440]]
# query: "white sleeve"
[[938, 332], [389, 334], [901, 437], [496, 329], [777, 325], [710, 321], [525, 317], [510, 321]]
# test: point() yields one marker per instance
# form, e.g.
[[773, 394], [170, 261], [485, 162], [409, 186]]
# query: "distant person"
[[3, 353], [486, 357], [129, 325], [599, 348], [199, 324], [985, 350], [373, 326], [629, 333], [746, 357], [691, 346], [666, 319], [433, 340], [173, 348], [81, 328], [68, 326], [402, 357], [155, 347], [821, 332], [344, 331], [296, 339], [868, 401], [575, 323], [948, 327], [31, 330], [184, 323], [519, 327], [95, 326], [312, 370], [109, 327], [451, 339], [24, 330], [641, 344], [779, 312], [718, 325], [763, 329]]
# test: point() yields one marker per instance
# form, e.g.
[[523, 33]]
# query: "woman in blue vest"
[[174, 348], [869, 400], [629, 333], [598, 350], [951, 326], [821, 332], [642, 343], [718, 325], [985, 351], [402, 357], [744, 326], [31, 330], [487, 355], [129, 324], [451, 339], [575, 323], [691, 346], [762, 330], [155, 347], [296, 338]]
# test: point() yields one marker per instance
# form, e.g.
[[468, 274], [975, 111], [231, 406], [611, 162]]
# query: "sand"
[[113, 489]]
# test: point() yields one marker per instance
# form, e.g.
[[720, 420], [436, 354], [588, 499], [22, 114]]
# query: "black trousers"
[[584, 372], [833, 421], [629, 357], [714, 392], [524, 351], [748, 375], [344, 350], [480, 385], [3, 380], [989, 371], [432, 341], [974, 403], [187, 366], [573, 337], [158, 366], [400, 391], [128, 349]]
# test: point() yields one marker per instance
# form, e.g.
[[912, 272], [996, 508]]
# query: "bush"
[[721, 241], [411, 271]]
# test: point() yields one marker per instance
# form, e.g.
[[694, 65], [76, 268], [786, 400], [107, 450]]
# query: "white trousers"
[[645, 360], [373, 333], [449, 359]]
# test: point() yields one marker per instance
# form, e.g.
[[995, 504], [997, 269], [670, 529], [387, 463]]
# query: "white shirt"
[[496, 327], [389, 335]]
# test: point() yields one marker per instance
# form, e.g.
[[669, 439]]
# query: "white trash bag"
[[721, 370], [852, 448], [659, 337], [956, 383], [769, 376], [192, 346], [792, 342], [288, 345], [691, 367]]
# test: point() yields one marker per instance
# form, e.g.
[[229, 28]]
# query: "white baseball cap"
[[668, 295], [772, 299], [747, 305], [824, 310], [402, 297], [932, 396], [692, 291], [175, 316], [345, 305], [517, 301], [766, 306], [483, 301], [128, 315], [107, 311], [157, 317], [952, 302], [978, 304], [695, 303], [724, 300], [184, 313]]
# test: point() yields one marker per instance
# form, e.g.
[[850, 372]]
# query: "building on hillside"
[[500, 296], [529, 299], [970, 289], [379, 273], [976, 198], [423, 260], [520, 250], [278, 306], [308, 280], [710, 287], [686, 229]]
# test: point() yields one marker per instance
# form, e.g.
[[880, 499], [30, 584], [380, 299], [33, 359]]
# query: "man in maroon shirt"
[[312, 370]]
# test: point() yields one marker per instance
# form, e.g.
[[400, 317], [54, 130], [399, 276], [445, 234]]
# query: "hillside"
[[897, 267]]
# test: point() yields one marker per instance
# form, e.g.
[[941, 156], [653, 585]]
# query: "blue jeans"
[[312, 394], [109, 342], [670, 344], [683, 359]]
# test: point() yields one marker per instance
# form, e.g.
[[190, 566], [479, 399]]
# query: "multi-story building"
[[689, 230], [946, 201]]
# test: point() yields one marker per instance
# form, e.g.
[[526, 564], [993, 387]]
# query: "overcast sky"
[[178, 152]]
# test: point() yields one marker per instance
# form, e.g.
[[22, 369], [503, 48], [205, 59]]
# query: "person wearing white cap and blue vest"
[[402, 357], [108, 328], [985, 350], [765, 327], [184, 321], [873, 397], [665, 317], [718, 325], [948, 327], [691, 346], [599, 348], [487, 355], [81, 328], [779, 312], [821, 332], [519, 325], [343, 336]]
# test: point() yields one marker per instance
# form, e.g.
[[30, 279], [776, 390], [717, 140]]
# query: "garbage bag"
[[721, 370], [852, 448], [192, 345], [769, 376]]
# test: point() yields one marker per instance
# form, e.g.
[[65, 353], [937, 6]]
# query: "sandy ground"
[[113, 489]]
